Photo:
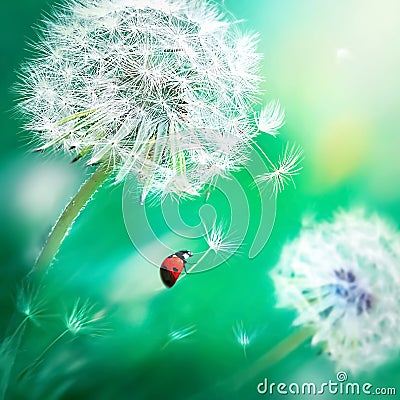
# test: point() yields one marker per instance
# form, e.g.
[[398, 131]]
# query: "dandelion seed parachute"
[[288, 166], [85, 319], [220, 242], [343, 278], [29, 303], [271, 118], [163, 89]]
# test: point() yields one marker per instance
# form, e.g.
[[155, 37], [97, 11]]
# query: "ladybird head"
[[184, 254]]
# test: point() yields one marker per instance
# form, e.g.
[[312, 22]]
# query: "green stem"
[[285, 347], [20, 325], [194, 265], [68, 216], [198, 262], [6, 368], [263, 153], [277, 353], [39, 359], [46, 256]]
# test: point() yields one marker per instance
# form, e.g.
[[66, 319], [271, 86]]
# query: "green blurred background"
[[334, 66]]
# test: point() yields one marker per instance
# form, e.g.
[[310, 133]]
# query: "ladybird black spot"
[[175, 269]]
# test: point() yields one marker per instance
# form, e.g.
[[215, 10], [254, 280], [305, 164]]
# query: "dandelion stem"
[[263, 153], [39, 358], [20, 325], [285, 347], [165, 345], [277, 353], [68, 216], [199, 261], [194, 265], [6, 369]]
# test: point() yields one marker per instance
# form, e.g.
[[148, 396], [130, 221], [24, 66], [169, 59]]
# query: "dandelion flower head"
[[343, 278], [164, 89]]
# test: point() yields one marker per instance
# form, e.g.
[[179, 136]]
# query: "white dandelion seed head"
[[343, 278], [85, 319], [144, 86], [271, 118], [288, 166]]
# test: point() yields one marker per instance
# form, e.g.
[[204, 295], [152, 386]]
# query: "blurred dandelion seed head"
[[148, 87], [182, 333], [29, 303], [343, 278], [242, 336], [85, 319]]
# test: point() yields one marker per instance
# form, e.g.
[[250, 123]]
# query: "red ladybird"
[[172, 267]]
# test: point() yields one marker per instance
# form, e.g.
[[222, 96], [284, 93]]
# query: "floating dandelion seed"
[[242, 336], [271, 118], [85, 319], [146, 87], [343, 278], [288, 167], [180, 334], [220, 242], [32, 307], [30, 304]]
